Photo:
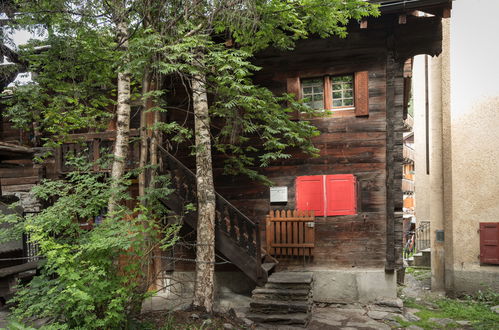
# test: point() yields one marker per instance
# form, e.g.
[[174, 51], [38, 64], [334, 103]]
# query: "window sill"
[[336, 113]]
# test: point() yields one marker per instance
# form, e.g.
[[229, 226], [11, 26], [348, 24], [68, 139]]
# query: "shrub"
[[91, 279]]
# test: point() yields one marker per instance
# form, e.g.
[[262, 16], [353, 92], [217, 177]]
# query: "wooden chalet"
[[343, 210]]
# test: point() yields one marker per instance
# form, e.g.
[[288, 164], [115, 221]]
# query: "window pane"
[[342, 91], [337, 103], [317, 105], [313, 92]]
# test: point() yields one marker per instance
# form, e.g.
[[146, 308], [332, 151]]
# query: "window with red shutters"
[[327, 194], [489, 242]]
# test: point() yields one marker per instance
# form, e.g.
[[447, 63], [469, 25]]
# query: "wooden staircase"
[[237, 237]]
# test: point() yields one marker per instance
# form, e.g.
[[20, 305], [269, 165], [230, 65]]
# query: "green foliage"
[[477, 312], [281, 23], [72, 89], [90, 279]]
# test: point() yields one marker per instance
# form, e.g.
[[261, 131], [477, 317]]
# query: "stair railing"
[[422, 236], [228, 219]]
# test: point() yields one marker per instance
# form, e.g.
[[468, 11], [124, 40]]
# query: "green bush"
[[90, 279]]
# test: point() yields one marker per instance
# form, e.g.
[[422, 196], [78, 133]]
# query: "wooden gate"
[[290, 233]]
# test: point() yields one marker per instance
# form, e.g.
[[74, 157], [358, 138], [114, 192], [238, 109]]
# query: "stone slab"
[[347, 286], [291, 277]]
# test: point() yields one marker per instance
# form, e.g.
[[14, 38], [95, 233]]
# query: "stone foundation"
[[348, 286]]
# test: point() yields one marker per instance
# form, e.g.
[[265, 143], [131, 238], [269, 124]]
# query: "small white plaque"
[[278, 194]]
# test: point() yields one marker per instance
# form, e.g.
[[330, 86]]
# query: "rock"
[[390, 302], [387, 309], [247, 321], [463, 322], [395, 317], [376, 315], [228, 326], [431, 306], [412, 310], [414, 327], [194, 316], [495, 309], [442, 322], [207, 322], [411, 317], [394, 324]]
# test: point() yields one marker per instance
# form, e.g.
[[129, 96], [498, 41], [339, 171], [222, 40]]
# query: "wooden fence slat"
[[288, 233]]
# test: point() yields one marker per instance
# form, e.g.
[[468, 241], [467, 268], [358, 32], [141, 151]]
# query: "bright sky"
[[21, 37]]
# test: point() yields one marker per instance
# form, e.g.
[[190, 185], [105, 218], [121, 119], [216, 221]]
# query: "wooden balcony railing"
[[407, 186], [408, 154], [94, 146]]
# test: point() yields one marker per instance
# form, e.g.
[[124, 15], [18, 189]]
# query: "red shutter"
[[341, 194], [310, 194], [361, 93], [489, 242], [293, 87]]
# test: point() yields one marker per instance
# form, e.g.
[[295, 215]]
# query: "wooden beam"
[[446, 13]]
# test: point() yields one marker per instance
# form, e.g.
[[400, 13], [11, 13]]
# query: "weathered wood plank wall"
[[368, 147]]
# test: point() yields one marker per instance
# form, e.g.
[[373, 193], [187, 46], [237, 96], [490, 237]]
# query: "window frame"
[[327, 92]]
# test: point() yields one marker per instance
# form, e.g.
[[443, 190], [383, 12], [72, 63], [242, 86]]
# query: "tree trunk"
[[144, 145], [205, 252], [123, 118]]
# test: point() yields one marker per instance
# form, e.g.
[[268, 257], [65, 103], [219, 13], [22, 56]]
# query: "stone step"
[[281, 294], [291, 278], [267, 266], [291, 286], [276, 306], [422, 258], [296, 318]]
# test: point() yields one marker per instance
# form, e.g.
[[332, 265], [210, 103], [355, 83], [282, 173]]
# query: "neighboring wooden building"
[[354, 187]]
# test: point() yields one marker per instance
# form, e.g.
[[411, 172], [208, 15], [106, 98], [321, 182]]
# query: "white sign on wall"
[[278, 194]]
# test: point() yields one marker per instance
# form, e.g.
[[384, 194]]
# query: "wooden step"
[[296, 318]]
